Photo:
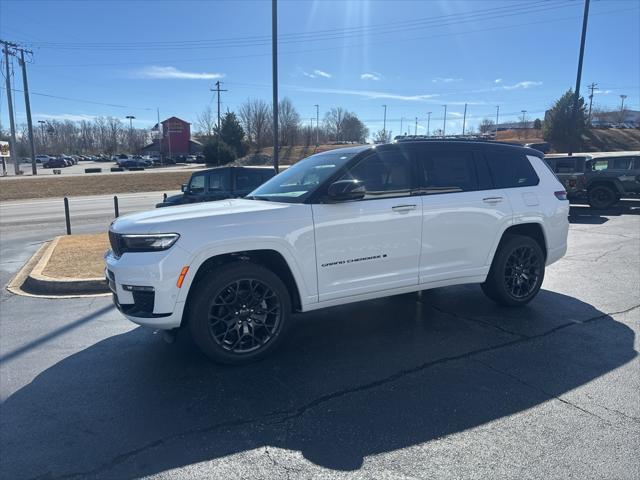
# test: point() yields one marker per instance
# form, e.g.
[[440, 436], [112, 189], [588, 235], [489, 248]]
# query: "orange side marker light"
[[183, 273]]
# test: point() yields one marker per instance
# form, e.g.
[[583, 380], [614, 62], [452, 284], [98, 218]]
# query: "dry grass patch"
[[110, 183], [78, 256]]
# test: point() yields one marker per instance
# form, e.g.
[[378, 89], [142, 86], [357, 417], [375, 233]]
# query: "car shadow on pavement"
[[348, 383], [584, 214]]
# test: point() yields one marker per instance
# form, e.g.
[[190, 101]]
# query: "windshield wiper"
[[258, 197]]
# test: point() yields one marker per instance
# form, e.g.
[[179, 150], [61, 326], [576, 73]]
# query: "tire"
[[517, 271], [239, 313], [602, 197]]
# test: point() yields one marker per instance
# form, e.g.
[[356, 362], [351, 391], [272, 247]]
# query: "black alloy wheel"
[[244, 316], [238, 312]]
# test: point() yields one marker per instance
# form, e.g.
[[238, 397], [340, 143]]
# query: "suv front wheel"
[[239, 312], [517, 271]]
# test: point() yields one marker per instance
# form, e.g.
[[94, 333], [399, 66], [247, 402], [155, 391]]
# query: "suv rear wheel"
[[517, 271], [239, 312], [602, 196]]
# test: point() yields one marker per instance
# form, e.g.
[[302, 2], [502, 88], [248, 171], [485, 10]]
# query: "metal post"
[[464, 119], [66, 215], [115, 206], [317, 125], [428, 124], [401, 119], [497, 114], [274, 66], [415, 130], [444, 123], [27, 103], [384, 123], [576, 97], [12, 140]]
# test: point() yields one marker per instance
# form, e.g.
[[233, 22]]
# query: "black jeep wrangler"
[[601, 181], [219, 183]]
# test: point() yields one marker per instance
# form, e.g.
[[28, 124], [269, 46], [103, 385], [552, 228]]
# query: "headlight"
[[148, 243]]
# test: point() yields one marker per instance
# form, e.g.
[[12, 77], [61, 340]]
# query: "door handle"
[[492, 199], [403, 208]]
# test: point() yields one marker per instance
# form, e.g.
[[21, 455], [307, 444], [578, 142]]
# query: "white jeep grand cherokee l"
[[338, 227]]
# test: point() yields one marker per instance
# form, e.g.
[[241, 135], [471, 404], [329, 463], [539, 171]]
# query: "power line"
[[340, 47]]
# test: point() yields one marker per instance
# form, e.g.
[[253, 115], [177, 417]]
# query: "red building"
[[175, 139]]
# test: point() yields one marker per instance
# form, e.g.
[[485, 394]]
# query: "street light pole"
[[415, 130], [44, 143], [401, 119], [317, 125], [464, 119], [497, 115], [130, 117], [274, 67], [428, 124], [444, 123], [384, 123], [622, 98]]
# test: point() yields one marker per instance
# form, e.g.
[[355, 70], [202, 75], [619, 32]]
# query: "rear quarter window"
[[510, 169]]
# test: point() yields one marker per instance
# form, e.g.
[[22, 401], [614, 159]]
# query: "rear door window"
[[622, 163], [448, 171], [510, 169], [248, 179]]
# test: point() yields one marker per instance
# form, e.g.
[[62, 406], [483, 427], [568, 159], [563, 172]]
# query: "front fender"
[[299, 267]]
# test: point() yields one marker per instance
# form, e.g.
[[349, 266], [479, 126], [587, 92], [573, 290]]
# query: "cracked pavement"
[[442, 384]]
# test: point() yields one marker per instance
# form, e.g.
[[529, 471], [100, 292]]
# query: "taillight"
[[561, 195]]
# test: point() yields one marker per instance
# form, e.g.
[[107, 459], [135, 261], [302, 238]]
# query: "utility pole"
[[524, 130], [592, 87], [218, 90], [622, 98], [384, 123], [317, 125], [444, 123], [12, 141], [464, 119], [497, 115], [415, 130], [160, 137], [401, 119], [576, 97], [428, 124], [274, 67], [27, 103]]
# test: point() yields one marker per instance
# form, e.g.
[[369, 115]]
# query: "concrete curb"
[[30, 280]]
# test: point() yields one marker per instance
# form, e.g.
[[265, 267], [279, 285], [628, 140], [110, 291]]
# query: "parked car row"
[[602, 181]]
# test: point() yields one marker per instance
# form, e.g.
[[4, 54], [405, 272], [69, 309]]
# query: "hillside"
[[595, 140]]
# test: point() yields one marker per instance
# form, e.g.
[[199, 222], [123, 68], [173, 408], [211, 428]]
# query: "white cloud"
[[455, 114], [526, 84], [161, 73], [322, 73], [601, 92], [307, 74], [370, 94], [73, 117], [370, 76], [446, 80], [497, 80]]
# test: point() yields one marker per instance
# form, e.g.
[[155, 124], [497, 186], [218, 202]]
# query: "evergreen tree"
[[559, 129]]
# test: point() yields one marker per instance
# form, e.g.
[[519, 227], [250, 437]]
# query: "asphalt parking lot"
[[442, 384]]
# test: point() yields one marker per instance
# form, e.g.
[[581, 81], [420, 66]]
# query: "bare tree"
[[288, 122], [255, 116], [206, 122], [334, 122], [382, 136], [487, 126]]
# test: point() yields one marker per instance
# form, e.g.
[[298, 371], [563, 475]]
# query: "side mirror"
[[344, 190], [184, 188]]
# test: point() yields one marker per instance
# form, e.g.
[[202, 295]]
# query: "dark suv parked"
[[602, 181], [220, 183]]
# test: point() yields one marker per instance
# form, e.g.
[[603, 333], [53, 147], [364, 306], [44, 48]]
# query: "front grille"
[[115, 239]]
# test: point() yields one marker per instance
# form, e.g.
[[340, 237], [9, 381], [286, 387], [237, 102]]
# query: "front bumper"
[[158, 307]]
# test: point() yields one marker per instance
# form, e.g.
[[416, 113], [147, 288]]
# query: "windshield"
[[298, 181]]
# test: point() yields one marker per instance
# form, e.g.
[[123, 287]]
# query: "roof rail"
[[422, 138]]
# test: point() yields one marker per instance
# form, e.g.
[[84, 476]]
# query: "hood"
[[175, 218]]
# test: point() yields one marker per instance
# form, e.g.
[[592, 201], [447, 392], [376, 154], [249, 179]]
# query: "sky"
[[117, 58]]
